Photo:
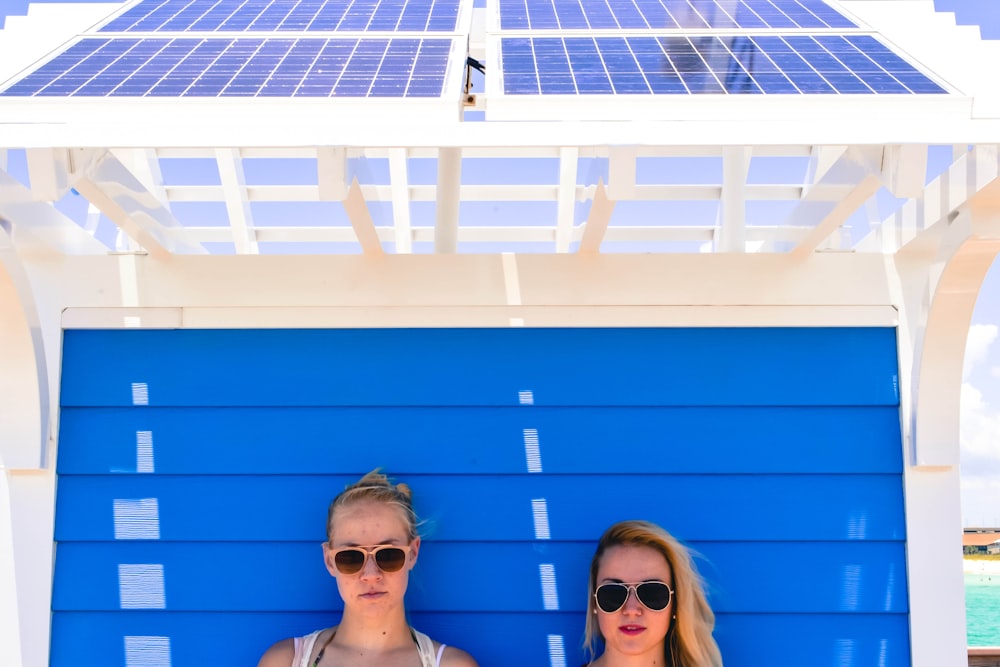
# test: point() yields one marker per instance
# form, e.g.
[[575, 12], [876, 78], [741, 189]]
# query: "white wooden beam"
[[449, 186], [399, 179], [37, 225], [821, 158], [361, 221], [566, 199], [904, 169], [732, 235], [514, 235], [145, 166], [514, 150], [50, 173], [137, 212], [596, 226], [331, 168], [234, 185], [838, 216], [504, 192], [621, 172], [943, 119], [940, 198], [851, 170]]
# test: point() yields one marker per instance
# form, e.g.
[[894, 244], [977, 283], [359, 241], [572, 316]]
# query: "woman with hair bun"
[[372, 544], [646, 602]]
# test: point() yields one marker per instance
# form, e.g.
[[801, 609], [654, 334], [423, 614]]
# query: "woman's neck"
[[379, 634], [613, 659]]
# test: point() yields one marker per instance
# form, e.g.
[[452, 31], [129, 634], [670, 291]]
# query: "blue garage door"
[[195, 468]]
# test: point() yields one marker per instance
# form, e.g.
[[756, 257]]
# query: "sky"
[[980, 404]]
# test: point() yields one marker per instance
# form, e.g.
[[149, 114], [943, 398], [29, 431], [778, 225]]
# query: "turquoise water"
[[982, 609]]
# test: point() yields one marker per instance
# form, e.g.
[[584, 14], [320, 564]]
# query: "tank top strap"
[[304, 648], [425, 647]]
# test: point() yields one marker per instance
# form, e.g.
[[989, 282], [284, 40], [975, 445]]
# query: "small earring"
[[675, 617]]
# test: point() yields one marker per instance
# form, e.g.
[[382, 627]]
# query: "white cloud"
[[980, 451], [980, 435], [981, 502], [980, 427], [977, 346]]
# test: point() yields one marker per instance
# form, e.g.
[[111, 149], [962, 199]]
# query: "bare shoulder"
[[456, 657], [280, 654]]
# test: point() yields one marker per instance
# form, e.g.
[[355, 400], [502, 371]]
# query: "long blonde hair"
[[376, 487], [689, 641]]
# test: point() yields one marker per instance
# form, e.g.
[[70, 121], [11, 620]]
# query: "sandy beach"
[[970, 566]]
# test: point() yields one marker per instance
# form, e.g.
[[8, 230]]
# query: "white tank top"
[[425, 647]]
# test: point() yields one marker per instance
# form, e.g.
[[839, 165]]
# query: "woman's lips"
[[631, 630]]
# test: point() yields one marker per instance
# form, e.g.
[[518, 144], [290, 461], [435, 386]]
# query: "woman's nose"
[[370, 570], [632, 605]]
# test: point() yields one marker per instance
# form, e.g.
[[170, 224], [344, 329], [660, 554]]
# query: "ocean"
[[982, 609]]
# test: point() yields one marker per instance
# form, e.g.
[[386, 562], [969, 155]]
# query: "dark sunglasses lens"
[[654, 595], [390, 559], [611, 597], [349, 561]]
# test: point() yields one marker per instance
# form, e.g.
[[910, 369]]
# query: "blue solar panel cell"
[[668, 15], [242, 67], [279, 15], [706, 64]]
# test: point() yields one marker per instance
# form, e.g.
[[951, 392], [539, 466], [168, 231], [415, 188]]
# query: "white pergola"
[[584, 233]]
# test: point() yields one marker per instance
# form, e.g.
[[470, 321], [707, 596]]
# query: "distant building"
[[981, 541]]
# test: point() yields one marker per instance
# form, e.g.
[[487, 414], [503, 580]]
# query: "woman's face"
[[634, 630], [370, 591]]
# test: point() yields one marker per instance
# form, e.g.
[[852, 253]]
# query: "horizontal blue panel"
[[732, 366], [243, 67], [746, 640], [239, 639], [298, 16], [722, 64], [853, 640], [668, 15], [489, 507], [479, 440], [760, 577]]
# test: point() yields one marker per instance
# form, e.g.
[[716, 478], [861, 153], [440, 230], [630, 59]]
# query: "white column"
[[449, 191], [32, 510], [10, 625]]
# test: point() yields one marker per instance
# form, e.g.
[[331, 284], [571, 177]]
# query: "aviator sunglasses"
[[653, 595], [388, 558]]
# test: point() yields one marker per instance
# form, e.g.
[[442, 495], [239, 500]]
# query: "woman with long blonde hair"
[[646, 602]]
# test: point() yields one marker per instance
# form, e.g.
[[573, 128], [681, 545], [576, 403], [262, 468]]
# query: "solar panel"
[[669, 15], [242, 67], [677, 65], [282, 15]]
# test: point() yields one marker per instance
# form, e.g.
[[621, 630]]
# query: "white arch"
[[941, 275], [24, 391]]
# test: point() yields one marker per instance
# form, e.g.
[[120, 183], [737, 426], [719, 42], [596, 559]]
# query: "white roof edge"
[[404, 132]]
